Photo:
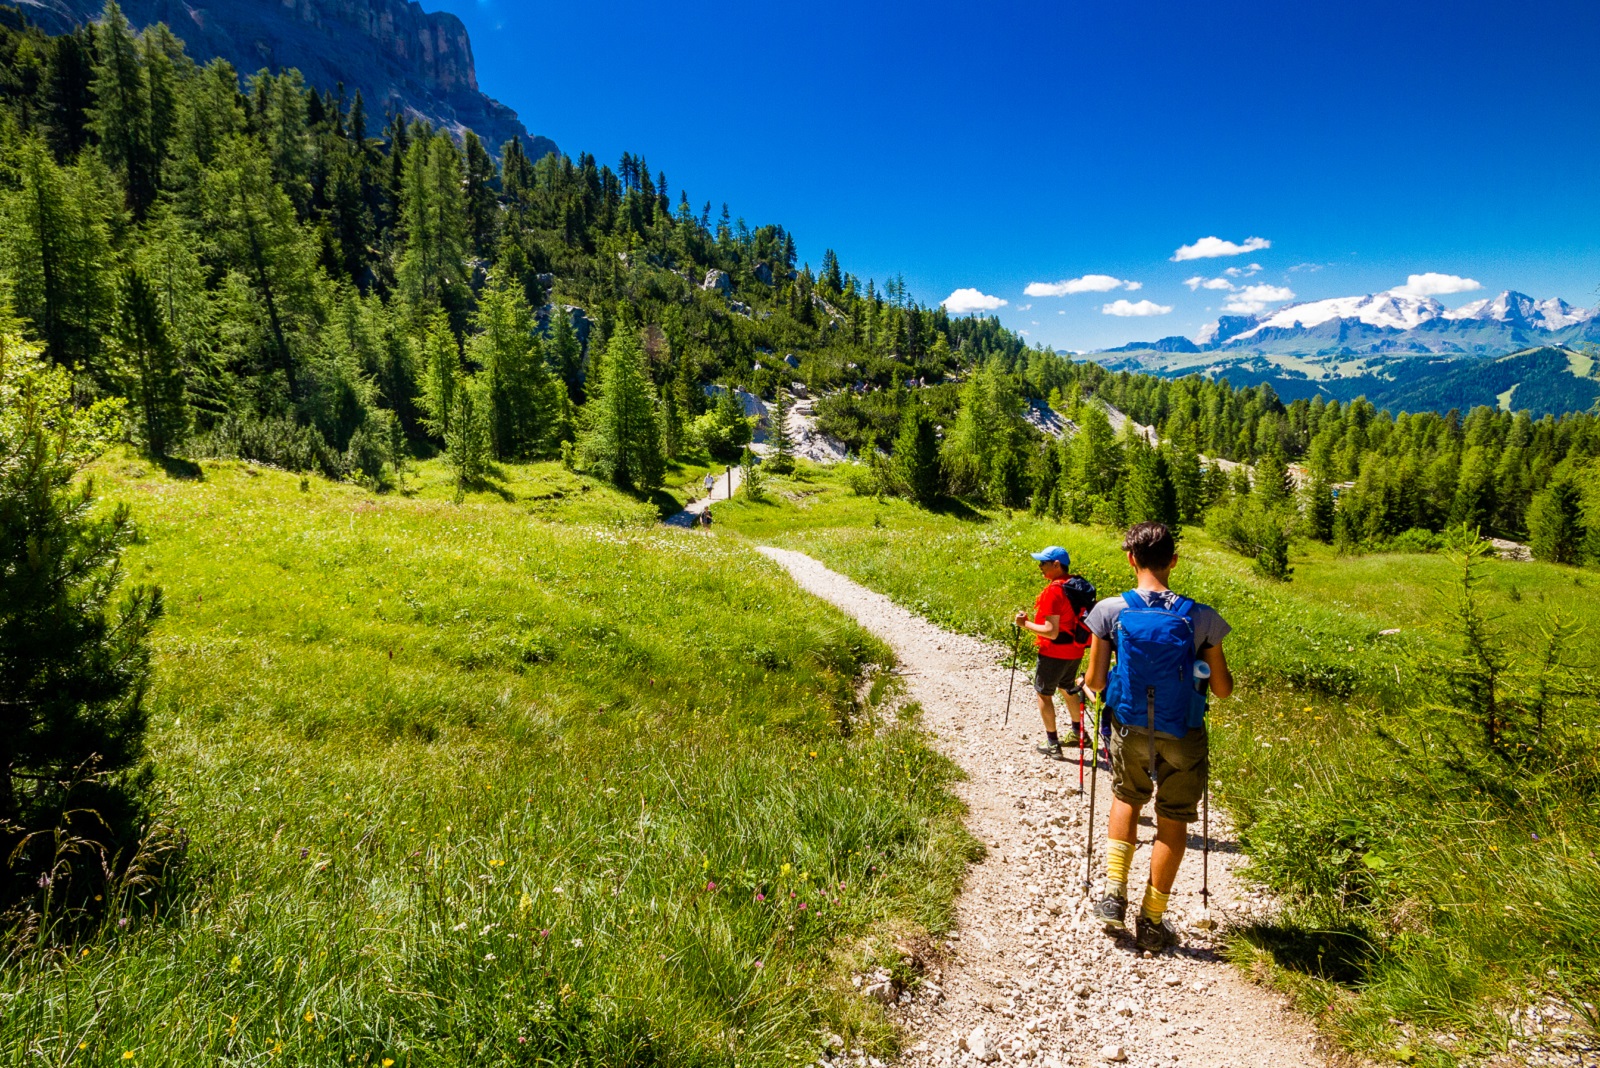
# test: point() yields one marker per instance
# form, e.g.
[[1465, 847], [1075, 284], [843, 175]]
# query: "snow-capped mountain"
[[1513, 307], [1394, 323]]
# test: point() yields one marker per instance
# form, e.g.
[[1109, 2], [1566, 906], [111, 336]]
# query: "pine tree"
[[623, 442], [466, 442], [565, 353], [121, 116], [56, 246], [782, 442], [441, 376], [1318, 507], [481, 207], [518, 384], [154, 373], [433, 221], [1555, 522], [916, 456], [751, 484], [74, 671], [1271, 482]]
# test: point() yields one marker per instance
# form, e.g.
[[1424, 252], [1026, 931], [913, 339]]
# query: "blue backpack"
[[1152, 686]]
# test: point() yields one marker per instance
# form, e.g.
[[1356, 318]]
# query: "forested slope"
[[270, 272]]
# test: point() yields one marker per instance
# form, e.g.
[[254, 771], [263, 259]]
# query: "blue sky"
[[997, 145]]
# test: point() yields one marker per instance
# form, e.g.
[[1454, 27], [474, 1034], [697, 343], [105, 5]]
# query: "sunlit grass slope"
[[1418, 909], [528, 780]]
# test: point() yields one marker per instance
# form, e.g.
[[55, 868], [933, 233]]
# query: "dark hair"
[[1151, 545]]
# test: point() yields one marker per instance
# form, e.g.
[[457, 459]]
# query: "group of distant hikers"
[[1153, 658]]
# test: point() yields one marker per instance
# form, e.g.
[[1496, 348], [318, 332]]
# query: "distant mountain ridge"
[[1395, 349], [1393, 323], [402, 58]]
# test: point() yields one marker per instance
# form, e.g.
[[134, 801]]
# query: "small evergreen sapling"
[[73, 669], [782, 442]]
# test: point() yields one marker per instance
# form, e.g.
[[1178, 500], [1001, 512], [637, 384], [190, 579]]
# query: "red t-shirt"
[[1053, 602]]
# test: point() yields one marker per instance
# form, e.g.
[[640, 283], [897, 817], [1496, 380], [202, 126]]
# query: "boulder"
[[762, 273], [719, 281]]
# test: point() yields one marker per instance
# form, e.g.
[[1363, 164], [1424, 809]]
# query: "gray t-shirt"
[[1209, 627]]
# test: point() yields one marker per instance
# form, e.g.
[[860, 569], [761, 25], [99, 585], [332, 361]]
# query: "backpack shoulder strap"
[[1134, 601]]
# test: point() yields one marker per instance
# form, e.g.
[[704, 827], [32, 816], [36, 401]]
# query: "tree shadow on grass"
[[179, 468], [956, 508], [1342, 953]]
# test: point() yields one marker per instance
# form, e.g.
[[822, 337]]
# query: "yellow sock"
[[1155, 904], [1119, 856]]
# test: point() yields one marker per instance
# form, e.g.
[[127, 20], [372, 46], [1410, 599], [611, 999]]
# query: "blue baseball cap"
[[1054, 554]]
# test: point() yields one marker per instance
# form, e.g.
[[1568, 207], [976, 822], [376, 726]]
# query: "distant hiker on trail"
[[1156, 697], [1057, 626], [711, 483]]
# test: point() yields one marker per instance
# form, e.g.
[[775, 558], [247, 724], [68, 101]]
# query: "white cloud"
[[1127, 308], [1435, 285], [1208, 248], [1201, 282], [1251, 300], [1312, 267], [1243, 272], [1089, 283], [1024, 307], [967, 301], [1132, 287]]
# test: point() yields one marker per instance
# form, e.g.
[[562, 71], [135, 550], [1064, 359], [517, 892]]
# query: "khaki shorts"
[[1182, 765]]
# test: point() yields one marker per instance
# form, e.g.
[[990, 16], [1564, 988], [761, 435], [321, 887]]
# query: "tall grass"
[[525, 781]]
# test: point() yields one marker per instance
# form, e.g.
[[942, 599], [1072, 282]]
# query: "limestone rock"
[[719, 281]]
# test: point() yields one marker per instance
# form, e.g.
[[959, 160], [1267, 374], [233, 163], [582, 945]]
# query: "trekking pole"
[[1205, 855], [1094, 780], [1016, 645]]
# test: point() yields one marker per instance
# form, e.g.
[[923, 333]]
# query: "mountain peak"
[[403, 59]]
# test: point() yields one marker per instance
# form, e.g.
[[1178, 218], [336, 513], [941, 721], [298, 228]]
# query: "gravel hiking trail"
[[1026, 977]]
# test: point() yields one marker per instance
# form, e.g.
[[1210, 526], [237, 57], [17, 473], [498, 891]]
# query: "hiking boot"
[[1112, 911], [1154, 937], [1052, 750], [1081, 738]]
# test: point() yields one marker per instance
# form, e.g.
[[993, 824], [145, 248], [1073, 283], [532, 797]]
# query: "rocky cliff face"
[[401, 58]]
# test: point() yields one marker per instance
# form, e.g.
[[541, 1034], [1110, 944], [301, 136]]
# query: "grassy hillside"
[[530, 780], [1423, 901]]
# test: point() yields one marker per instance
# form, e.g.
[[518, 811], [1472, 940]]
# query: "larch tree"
[[154, 373], [624, 439]]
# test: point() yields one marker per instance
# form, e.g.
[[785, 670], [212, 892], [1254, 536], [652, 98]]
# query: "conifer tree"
[[441, 376], [73, 669], [1318, 508], [1555, 522], [56, 247], [623, 441], [433, 221], [750, 480], [518, 385], [782, 442], [565, 353], [916, 456], [466, 442], [154, 372], [481, 207], [121, 117]]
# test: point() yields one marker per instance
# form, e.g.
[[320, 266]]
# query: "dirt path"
[[1025, 962], [727, 485]]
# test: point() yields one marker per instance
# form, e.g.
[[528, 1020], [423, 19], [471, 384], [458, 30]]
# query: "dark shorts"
[[1052, 673], [1182, 765]]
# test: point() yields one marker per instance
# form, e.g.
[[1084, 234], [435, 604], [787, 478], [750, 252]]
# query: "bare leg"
[[1047, 712], [1075, 708], [1167, 852], [1124, 823]]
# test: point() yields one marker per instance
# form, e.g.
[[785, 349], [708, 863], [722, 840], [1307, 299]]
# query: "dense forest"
[[268, 272]]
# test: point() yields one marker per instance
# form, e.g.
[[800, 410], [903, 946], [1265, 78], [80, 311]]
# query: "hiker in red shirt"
[[1057, 625]]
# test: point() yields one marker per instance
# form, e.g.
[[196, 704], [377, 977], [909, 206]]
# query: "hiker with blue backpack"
[[1060, 637], [1168, 653]]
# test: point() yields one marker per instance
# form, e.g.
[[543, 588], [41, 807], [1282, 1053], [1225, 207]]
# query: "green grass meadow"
[[1418, 911], [527, 780]]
